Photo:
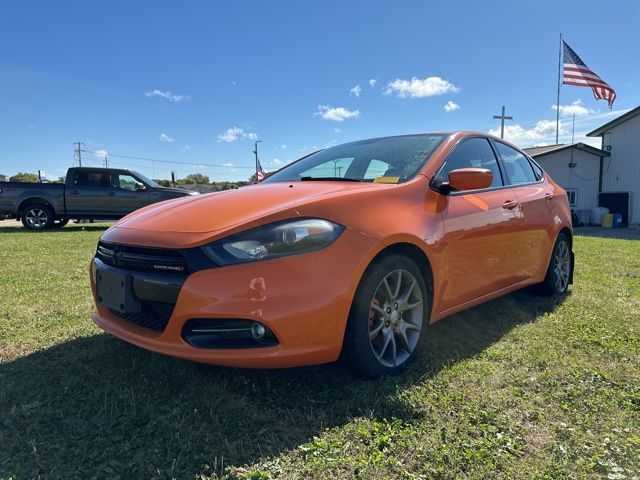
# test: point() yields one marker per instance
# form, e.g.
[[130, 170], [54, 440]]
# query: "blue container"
[[617, 220]]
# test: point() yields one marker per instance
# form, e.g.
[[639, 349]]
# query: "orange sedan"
[[353, 250]]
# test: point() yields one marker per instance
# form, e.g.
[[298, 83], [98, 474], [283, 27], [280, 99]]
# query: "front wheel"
[[560, 268], [387, 318], [37, 217]]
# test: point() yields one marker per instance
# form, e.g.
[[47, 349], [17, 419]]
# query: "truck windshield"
[[146, 180], [384, 160]]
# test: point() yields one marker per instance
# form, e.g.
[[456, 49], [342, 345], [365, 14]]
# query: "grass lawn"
[[521, 387]]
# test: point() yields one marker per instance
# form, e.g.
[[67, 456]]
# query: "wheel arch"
[[416, 254], [33, 201]]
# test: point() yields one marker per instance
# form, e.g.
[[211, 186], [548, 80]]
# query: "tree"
[[196, 178], [24, 177], [163, 183]]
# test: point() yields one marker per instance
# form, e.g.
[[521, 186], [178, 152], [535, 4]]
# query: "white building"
[[621, 178], [4, 178], [578, 168]]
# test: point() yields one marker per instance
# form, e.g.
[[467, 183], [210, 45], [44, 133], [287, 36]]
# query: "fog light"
[[258, 331]]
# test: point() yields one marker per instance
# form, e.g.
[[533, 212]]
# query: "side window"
[[121, 180], [376, 168], [516, 165], [537, 170], [472, 153], [88, 179]]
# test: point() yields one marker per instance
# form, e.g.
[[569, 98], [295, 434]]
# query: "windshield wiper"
[[330, 179]]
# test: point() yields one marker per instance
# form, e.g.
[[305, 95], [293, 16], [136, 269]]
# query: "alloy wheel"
[[561, 266], [395, 318], [37, 218]]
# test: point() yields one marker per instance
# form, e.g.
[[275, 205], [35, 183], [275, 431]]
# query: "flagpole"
[[558, 97]]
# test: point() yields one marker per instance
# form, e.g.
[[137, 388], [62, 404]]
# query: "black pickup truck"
[[88, 193]]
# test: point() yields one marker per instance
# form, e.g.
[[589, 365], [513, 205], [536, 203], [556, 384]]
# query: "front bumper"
[[304, 300]]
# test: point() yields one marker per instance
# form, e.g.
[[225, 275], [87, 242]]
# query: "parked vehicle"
[[88, 193], [352, 251]]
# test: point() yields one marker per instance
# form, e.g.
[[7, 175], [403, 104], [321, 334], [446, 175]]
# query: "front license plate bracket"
[[114, 291]]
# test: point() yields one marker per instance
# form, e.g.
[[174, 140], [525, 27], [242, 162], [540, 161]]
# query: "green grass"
[[521, 387]]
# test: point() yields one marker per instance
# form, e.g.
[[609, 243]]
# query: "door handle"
[[510, 204], [112, 194], [75, 192], [548, 196]]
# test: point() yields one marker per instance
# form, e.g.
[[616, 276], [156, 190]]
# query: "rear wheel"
[[560, 267], [37, 217], [387, 317]]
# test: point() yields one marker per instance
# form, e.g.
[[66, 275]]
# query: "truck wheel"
[[37, 217], [60, 222]]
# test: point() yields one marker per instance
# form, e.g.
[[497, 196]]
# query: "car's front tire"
[[560, 269], [388, 317]]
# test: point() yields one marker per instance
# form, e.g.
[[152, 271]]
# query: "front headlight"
[[289, 237]]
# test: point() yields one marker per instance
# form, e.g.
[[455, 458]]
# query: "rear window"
[[516, 165], [88, 179]]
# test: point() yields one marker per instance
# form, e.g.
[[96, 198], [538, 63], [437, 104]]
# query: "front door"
[[125, 195], [480, 229]]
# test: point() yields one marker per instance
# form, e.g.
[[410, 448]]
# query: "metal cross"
[[502, 119]]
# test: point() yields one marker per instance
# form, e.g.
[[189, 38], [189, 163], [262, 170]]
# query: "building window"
[[572, 194]]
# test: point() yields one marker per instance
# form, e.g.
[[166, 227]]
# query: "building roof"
[[614, 123], [547, 149]]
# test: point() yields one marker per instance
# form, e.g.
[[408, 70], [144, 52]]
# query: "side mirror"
[[140, 186], [470, 179]]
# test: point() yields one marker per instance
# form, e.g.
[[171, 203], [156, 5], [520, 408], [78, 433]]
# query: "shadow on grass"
[[87, 227], [98, 407]]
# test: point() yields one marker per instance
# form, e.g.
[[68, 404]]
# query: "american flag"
[[260, 173], [576, 72]]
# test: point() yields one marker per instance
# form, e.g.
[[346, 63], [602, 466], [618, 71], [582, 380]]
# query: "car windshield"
[[146, 180], [380, 160]]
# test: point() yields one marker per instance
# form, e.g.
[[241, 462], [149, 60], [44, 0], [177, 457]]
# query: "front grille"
[[153, 315], [143, 259]]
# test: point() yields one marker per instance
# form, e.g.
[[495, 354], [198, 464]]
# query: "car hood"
[[223, 210]]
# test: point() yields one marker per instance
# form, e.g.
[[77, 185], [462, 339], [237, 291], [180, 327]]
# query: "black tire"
[[560, 269], [60, 222], [37, 217], [358, 350]]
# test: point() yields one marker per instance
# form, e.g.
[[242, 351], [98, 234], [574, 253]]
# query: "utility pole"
[[78, 152], [106, 161], [255, 152], [502, 118]]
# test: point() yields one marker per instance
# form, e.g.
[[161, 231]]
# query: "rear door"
[[85, 194], [123, 196], [536, 200], [480, 229]]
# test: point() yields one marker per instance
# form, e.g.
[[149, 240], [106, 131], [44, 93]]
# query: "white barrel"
[[596, 215]]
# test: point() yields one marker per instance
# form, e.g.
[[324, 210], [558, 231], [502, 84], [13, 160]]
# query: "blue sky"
[[197, 81]]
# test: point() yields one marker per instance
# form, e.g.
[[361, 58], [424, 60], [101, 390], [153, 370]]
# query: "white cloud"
[[101, 154], [277, 161], [337, 130], [372, 82], [283, 147], [234, 133], [167, 95], [185, 148], [451, 106], [228, 165], [163, 137], [543, 131], [355, 91], [418, 88], [336, 114], [576, 108]]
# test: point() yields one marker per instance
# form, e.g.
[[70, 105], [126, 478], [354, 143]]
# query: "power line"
[[78, 152], [192, 164]]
